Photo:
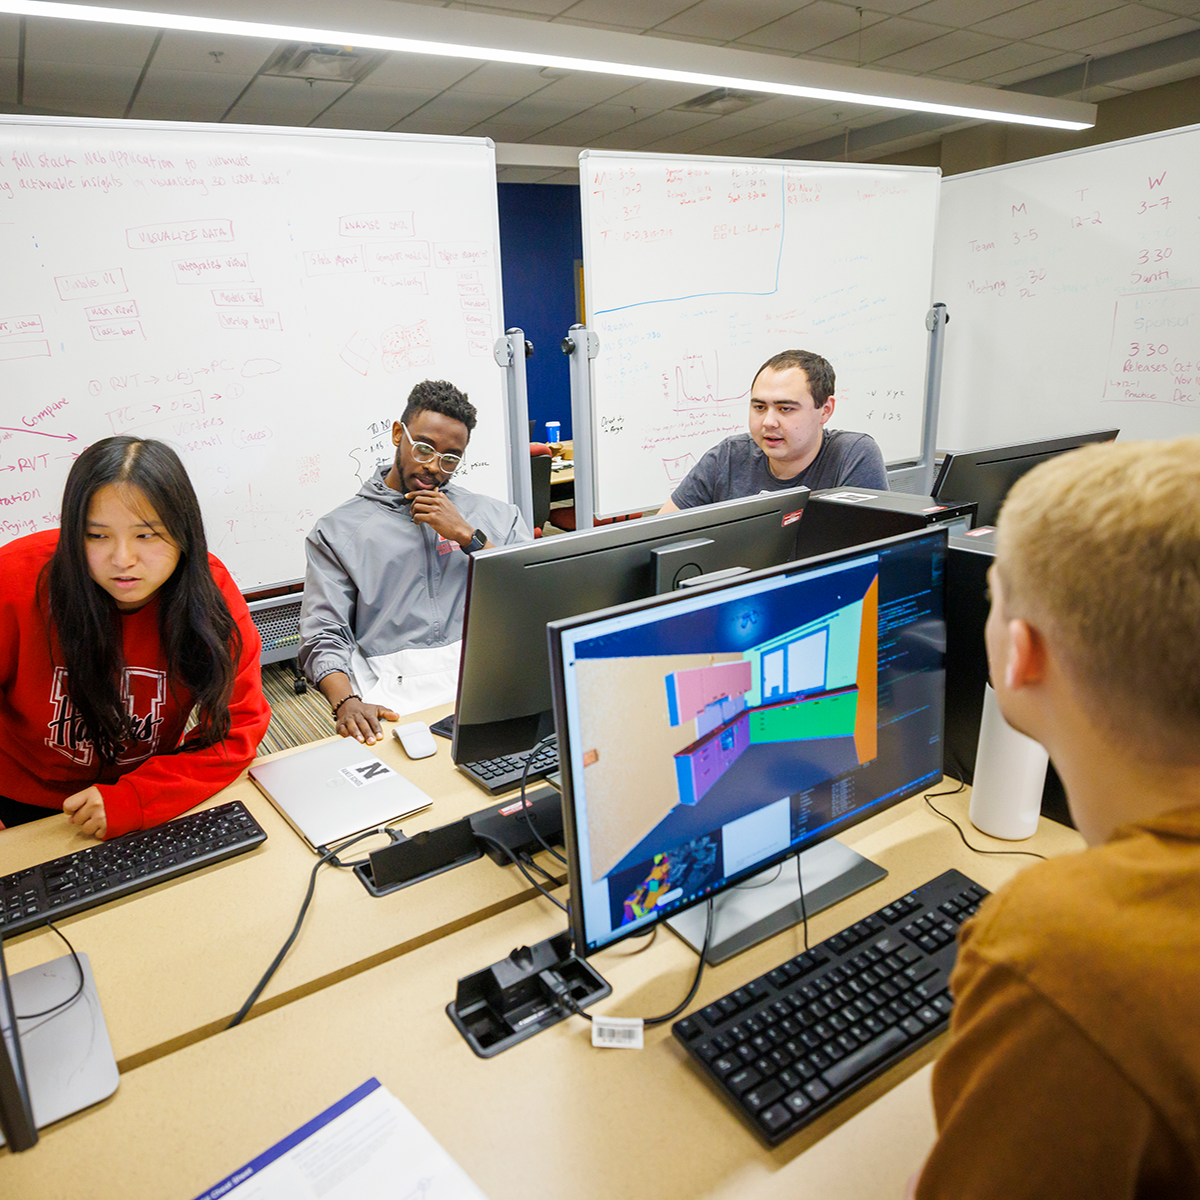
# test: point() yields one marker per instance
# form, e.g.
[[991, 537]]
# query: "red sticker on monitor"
[[935, 508], [981, 530], [791, 518]]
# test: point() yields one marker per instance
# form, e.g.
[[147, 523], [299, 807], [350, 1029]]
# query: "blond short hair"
[[1101, 548]]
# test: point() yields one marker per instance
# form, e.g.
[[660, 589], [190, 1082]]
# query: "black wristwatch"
[[477, 542]]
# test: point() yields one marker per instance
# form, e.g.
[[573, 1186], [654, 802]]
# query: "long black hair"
[[196, 629]]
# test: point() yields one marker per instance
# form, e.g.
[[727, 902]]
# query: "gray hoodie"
[[378, 583]]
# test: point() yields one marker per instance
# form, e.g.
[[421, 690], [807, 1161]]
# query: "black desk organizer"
[[511, 1000]]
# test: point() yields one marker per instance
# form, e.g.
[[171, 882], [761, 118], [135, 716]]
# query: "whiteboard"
[[262, 299], [698, 269], [1073, 288]]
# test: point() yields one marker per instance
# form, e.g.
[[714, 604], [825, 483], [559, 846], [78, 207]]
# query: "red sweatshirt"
[[43, 756]]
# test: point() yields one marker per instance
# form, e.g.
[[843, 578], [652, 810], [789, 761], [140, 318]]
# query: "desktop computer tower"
[[841, 517], [970, 556]]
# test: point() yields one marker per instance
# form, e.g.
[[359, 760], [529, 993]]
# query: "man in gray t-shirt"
[[788, 445]]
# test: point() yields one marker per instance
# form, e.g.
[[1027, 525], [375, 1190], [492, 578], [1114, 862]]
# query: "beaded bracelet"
[[352, 696]]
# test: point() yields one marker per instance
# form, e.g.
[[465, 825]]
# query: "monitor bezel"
[[984, 456], [554, 632], [667, 529]]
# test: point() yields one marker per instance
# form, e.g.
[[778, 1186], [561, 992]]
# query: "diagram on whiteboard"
[[699, 270], [262, 300]]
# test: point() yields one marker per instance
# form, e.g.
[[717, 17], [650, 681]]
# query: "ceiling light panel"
[[426, 30], [727, 21]]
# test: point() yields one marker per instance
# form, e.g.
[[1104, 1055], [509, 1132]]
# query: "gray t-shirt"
[[737, 467]]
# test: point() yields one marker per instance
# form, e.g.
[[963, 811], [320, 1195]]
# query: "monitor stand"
[[68, 1058], [769, 902]]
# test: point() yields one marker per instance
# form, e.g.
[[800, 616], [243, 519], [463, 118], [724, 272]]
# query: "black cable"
[[329, 856], [548, 740], [929, 796], [72, 997], [534, 865], [573, 1004], [749, 887], [803, 905], [521, 867]]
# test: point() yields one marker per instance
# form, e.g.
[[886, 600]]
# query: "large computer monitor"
[[986, 475], [704, 737], [504, 704]]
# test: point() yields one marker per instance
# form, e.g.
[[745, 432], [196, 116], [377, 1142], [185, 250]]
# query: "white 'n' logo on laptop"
[[370, 770]]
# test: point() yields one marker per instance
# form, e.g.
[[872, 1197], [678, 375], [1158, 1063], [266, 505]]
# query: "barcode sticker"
[[617, 1033]]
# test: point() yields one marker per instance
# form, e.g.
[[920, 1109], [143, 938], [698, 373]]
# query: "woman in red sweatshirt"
[[114, 629]]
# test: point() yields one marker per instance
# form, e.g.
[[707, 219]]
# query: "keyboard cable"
[[45, 1012]]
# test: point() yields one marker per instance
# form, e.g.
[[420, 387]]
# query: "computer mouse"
[[416, 739]]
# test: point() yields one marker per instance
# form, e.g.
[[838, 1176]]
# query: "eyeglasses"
[[424, 453]]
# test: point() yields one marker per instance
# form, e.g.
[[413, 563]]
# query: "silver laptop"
[[330, 792]]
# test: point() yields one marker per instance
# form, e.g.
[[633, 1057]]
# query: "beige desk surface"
[[178, 960], [549, 1118]]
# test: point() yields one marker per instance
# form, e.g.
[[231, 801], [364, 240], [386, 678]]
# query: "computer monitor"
[[704, 737], [16, 1110], [986, 475], [504, 704]]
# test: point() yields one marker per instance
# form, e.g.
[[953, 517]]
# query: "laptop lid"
[[334, 790]]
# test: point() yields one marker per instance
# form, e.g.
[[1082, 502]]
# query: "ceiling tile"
[[657, 95], [581, 130], [652, 129], [94, 90], [438, 126], [284, 101], [690, 141], [1033, 20], [598, 25], [10, 36], [502, 79], [727, 19], [941, 51], [1046, 67], [208, 95], [879, 41], [958, 15], [417, 71], [586, 86], [1183, 8], [467, 109], [86, 45], [515, 8], [1011, 56], [540, 112], [1086, 36], [1147, 37], [633, 14], [212, 53], [372, 108], [812, 26], [683, 37], [502, 131], [789, 108], [526, 14]]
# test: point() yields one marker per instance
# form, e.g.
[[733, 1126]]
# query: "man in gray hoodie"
[[381, 622]]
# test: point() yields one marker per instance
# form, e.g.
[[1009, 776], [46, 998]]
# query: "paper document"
[[367, 1144]]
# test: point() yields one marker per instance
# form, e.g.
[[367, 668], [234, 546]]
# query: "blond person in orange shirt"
[[1073, 1067]]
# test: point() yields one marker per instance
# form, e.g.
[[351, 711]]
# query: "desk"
[[549, 1118], [182, 957]]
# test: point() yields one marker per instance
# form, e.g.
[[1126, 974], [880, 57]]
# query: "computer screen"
[[706, 736], [16, 1113], [986, 475], [503, 704]]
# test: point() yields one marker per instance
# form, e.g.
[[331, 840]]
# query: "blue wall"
[[540, 239]]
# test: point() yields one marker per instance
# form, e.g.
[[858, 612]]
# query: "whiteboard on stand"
[[1073, 288], [699, 269], [262, 299]]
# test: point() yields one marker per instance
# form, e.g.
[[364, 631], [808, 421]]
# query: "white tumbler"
[[1010, 773]]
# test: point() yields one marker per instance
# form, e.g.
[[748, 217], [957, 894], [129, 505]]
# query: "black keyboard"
[[124, 864], [499, 775], [789, 1046]]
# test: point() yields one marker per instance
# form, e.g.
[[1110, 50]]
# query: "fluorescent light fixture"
[[1020, 112]]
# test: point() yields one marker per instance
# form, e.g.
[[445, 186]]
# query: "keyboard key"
[[775, 1118], [864, 1058]]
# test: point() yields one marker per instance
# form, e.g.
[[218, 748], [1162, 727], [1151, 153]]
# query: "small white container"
[[1010, 773]]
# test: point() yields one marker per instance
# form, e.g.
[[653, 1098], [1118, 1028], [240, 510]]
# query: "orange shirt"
[[1073, 1069]]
